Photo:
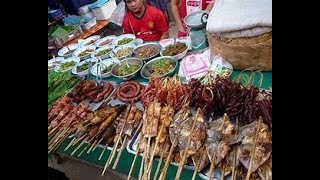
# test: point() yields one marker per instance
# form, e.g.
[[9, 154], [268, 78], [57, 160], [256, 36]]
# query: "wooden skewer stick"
[[156, 144], [57, 140], [52, 131], [104, 149], [168, 160], [252, 152], [78, 140], [141, 165], [133, 162], [83, 150], [58, 143], [223, 172], [97, 144], [212, 165], [145, 170], [74, 151], [197, 166], [55, 137], [182, 161], [120, 152], [234, 164], [159, 164], [111, 156], [267, 171], [70, 143], [93, 144]]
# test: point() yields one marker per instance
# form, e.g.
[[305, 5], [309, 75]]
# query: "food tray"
[[216, 176], [133, 143]]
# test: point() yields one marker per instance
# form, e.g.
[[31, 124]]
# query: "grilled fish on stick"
[[263, 145]]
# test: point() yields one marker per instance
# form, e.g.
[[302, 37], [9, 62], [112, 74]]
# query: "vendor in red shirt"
[[145, 22], [181, 8]]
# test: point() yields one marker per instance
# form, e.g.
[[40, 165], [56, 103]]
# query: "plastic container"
[[198, 39], [102, 9], [85, 12], [89, 24], [84, 9]]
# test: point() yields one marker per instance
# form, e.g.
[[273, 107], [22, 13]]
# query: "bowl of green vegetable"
[[124, 39], [103, 52], [104, 68], [84, 52], [127, 69], [82, 68], [122, 52], [66, 65], [160, 67]]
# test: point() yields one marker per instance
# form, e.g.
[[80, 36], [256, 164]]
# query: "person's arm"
[[164, 35], [176, 14], [126, 25], [209, 7], [162, 25]]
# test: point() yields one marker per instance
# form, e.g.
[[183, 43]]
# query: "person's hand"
[[182, 29]]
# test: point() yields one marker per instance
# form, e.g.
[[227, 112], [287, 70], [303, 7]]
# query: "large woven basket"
[[251, 52]]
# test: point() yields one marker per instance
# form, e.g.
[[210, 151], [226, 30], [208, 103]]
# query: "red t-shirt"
[[149, 27]]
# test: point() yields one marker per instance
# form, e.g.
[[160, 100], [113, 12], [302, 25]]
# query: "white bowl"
[[96, 71], [53, 62], [85, 72], [121, 37], [68, 50], [75, 59], [115, 50], [99, 43], [178, 56], [81, 49], [90, 40], [104, 56]]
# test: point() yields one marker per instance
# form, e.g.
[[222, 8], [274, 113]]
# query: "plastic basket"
[[70, 36]]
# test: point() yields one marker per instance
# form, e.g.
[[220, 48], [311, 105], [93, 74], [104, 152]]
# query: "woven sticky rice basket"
[[242, 53]]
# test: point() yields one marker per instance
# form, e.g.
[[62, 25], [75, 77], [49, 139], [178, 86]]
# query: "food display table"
[[126, 157]]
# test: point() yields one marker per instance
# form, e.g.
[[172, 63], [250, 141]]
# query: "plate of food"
[[52, 63], [68, 50], [124, 39], [66, 65], [103, 52], [147, 51], [105, 41], [83, 67], [122, 52], [104, 67], [161, 67], [177, 50], [90, 40], [84, 52]]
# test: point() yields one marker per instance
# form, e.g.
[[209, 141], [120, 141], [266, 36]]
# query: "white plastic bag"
[[118, 14]]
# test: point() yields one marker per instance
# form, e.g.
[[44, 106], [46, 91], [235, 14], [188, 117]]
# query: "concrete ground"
[[76, 170]]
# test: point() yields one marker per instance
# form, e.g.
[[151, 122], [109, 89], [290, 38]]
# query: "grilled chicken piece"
[[150, 120]]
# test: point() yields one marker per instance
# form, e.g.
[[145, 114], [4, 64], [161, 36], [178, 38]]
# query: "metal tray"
[[216, 176]]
